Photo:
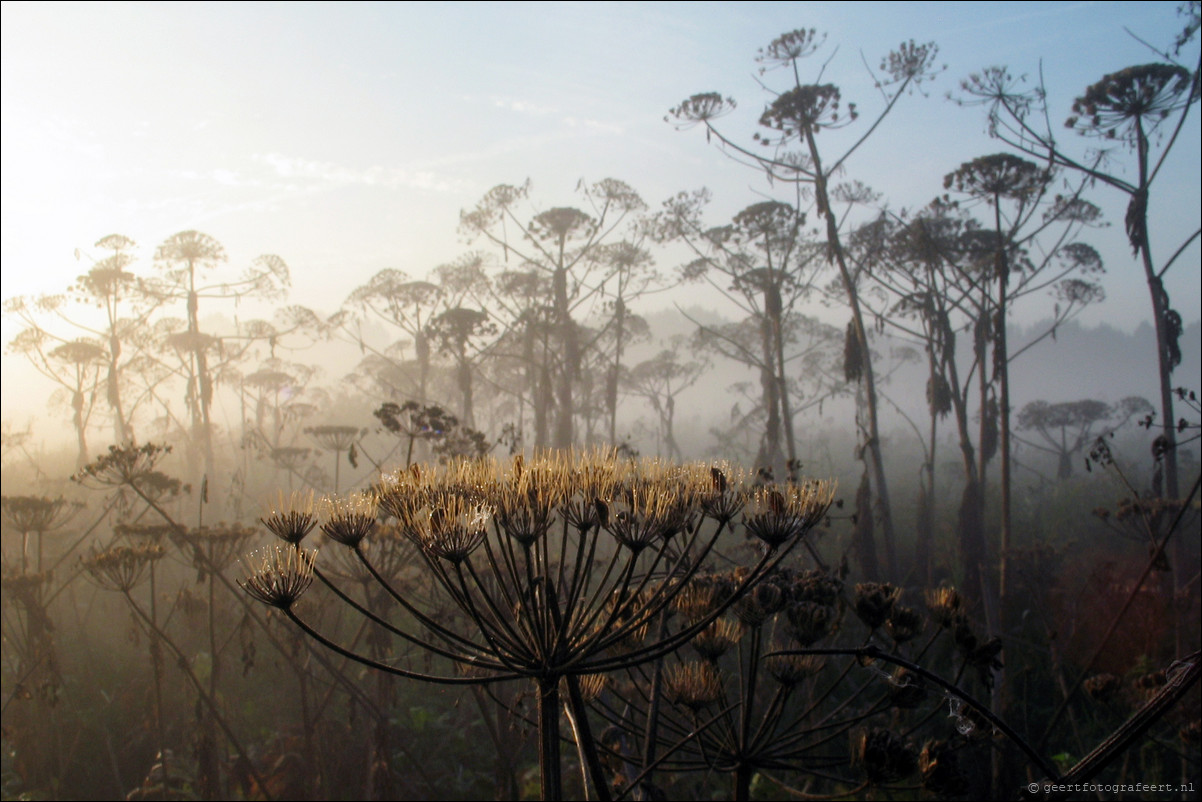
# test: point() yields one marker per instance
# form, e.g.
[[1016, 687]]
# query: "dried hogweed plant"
[[788, 687], [560, 569]]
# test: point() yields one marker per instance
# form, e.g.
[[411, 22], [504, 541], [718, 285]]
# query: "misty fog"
[[638, 401]]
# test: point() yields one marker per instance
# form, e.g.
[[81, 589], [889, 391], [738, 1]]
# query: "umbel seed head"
[[945, 604], [121, 568], [693, 685], [874, 602], [349, 519], [885, 757], [292, 518], [778, 514], [279, 575], [450, 526]]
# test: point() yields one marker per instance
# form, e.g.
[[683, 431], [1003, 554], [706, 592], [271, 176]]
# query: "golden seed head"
[[279, 575], [591, 686], [945, 605], [527, 498], [777, 514], [717, 639], [292, 517], [790, 669], [450, 526], [350, 518], [642, 515], [694, 685], [702, 595]]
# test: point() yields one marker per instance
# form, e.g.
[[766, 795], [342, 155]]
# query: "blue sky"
[[346, 137]]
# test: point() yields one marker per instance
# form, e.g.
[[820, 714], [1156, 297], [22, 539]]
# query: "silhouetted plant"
[[337, 439], [1132, 106], [794, 118], [520, 552]]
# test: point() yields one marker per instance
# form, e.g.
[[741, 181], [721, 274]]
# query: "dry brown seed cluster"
[[147, 533], [349, 518], [121, 568], [790, 669], [717, 639], [903, 624], [37, 514], [25, 585], [776, 514], [279, 575], [874, 602], [214, 548], [695, 685], [292, 518], [763, 601], [810, 622], [940, 768], [906, 690], [1103, 687]]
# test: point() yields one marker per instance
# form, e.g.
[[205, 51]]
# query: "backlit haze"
[[346, 138]]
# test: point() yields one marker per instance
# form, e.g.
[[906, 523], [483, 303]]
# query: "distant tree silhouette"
[[1142, 108], [793, 119], [185, 262], [659, 380], [122, 330], [565, 245], [77, 367], [633, 276], [761, 263], [937, 281], [403, 303], [111, 287], [1067, 427], [458, 332]]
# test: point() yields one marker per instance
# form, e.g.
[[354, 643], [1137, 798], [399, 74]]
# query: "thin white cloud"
[[227, 177], [522, 106], [332, 174], [594, 125]]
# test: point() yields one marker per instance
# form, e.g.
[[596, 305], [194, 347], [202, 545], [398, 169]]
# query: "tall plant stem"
[[549, 769], [182, 661], [585, 740], [873, 440], [156, 663]]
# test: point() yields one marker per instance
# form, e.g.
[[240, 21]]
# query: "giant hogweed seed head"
[[279, 575], [121, 568], [292, 518], [349, 519]]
